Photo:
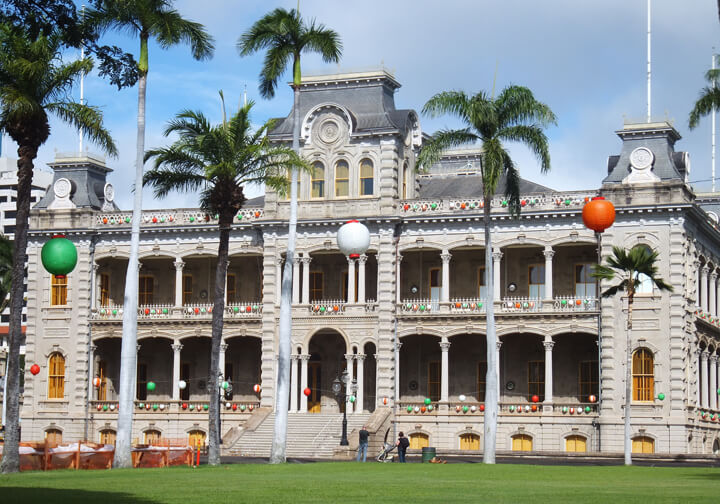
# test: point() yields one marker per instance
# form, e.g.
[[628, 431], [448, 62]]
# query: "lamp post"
[[340, 389]]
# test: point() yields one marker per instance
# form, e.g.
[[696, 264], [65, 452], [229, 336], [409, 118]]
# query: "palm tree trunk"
[[11, 454], [217, 329], [628, 384], [277, 452], [492, 376], [129, 350]]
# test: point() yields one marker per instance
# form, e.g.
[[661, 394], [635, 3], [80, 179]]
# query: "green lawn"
[[343, 482]]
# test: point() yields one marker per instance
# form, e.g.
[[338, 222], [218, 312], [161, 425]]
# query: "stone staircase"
[[309, 435]]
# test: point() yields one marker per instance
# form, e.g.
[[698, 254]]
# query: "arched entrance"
[[327, 351]]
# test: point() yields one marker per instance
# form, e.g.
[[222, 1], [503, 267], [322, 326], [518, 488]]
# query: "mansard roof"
[[368, 97], [469, 186]]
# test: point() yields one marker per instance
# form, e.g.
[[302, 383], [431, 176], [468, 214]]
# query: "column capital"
[[304, 357], [279, 260], [704, 354], [137, 348], [713, 275], [498, 344], [713, 358], [179, 264], [497, 255], [176, 347], [294, 357], [445, 256], [349, 356], [399, 257], [548, 345], [360, 357], [398, 345], [95, 267], [548, 252], [705, 269], [362, 259], [93, 348], [350, 260], [444, 346], [297, 260], [223, 347], [306, 260]]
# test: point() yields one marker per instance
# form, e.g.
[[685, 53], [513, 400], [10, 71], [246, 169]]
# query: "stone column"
[[704, 288], [303, 381], [549, 253], [445, 287], [350, 374], [698, 387], [179, 265], [360, 399], [717, 297], [548, 344], [137, 363], [498, 344], [713, 382], [293, 383], [712, 292], [351, 281], [397, 397], [95, 294], [361, 279], [444, 370], [398, 262], [221, 362], [296, 281], [306, 279], [91, 370], [278, 279], [497, 256], [176, 348], [705, 382]]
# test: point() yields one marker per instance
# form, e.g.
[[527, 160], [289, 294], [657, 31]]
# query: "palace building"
[[405, 321]]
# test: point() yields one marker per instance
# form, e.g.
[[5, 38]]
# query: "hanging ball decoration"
[[250, 407], [527, 408], [592, 398], [307, 392], [112, 407], [535, 398], [257, 388], [352, 398], [162, 407], [205, 407], [150, 386], [96, 382], [99, 407], [661, 396], [423, 409], [458, 408], [191, 407], [598, 214], [105, 407], [482, 407], [182, 384], [572, 411], [225, 385], [409, 409], [430, 407], [587, 409], [353, 238], [512, 408], [228, 405], [234, 407], [34, 369], [465, 409], [427, 401], [59, 256], [534, 407], [155, 407], [462, 397], [184, 405]]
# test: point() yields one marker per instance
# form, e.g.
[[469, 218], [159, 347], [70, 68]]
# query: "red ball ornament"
[[482, 407], [34, 369], [307, 392], [534, 407], [234, 407], [184, 405], [99, 407], [257, 388], [598, 214], [423, 409], [535, 399]]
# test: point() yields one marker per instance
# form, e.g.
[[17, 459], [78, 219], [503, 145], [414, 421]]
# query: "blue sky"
[[586, 60]]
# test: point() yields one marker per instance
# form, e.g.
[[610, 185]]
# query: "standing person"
[[363, 437], [402, 444]]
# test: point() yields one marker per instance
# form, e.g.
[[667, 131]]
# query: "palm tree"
[[285, 35], [34, 83], [514, 116], [629, 266], [709, 99], [146, 19], [218, 161]]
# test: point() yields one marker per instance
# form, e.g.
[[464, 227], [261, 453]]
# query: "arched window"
[[643, 374], [419, 441], [646, 284], [366, 177], [196, 438], [108, 436], [342, 179], [53, 437], [317, 180], [152, 437], [56, 376], [643, 444], [469, 441], [576, 444], [521, 442], [59, 290]]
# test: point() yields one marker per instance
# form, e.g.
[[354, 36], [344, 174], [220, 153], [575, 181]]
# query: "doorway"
[[314, 382]]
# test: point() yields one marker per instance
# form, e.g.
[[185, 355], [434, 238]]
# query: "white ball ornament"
[[527, 408], [162, 407], [353, 238], [182, 384], [473, 408], [462, 397], [417, 409], [228, 405]]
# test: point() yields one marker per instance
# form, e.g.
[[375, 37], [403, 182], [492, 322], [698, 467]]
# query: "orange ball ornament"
[[598, 214]]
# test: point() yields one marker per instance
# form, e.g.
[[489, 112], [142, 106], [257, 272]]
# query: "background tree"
[[514, 116], [218, 161], [34, 82], [286, 36], [631, 268], [146, 19]]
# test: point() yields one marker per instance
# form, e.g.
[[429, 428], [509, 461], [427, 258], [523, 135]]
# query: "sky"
[[586, 60]]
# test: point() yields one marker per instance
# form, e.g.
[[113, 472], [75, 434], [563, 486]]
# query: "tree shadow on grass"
[[26, 495]]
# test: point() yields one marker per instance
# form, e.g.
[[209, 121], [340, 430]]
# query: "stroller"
[[384, 455]]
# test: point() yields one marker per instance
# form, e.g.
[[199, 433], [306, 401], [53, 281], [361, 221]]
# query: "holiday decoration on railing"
[[59, 256]]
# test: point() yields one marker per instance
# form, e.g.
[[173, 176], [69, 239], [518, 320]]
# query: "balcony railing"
[[160, 406], [168, 311], [338, 307], [520, 304], [518, 408], [173, 217], [476, 306]]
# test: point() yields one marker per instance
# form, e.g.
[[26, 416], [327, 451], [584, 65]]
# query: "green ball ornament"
[[59, 256], [192, 407], [150, 386], [661, 396], [352, 398], [141, 405], [587, 409], [465, 409], [225, 385], [105, 407], [205, 407], [409, 409], [430, 407], [155, 407], [242, 407], [427, 401], [236, 309]]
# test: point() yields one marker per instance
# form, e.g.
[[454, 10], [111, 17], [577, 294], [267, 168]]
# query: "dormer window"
[[342, 179], [317, 189], [366, 177]]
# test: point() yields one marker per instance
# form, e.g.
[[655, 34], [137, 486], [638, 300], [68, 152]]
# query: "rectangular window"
[[230, 288], [142, 382], [59, 290], [482, 286], [145, 291], [366, 177], [187, 286], [481, 375], [536, 379], [316, 285], [342, 179], [289, 179], [104, 289], [585, 284], [317, 180], [536, 281], [434, 380], [588, 380]]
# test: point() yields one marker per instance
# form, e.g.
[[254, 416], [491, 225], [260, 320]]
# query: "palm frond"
[[169, 28], [433, 148], [517, 105], [708, 101], [532, 136], [455, 103], [89, 119], [323, 41]]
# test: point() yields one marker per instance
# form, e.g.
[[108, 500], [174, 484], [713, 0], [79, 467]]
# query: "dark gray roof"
[[87, 175], [660, 138], [368, 98], [469, 186], [258, 201]]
